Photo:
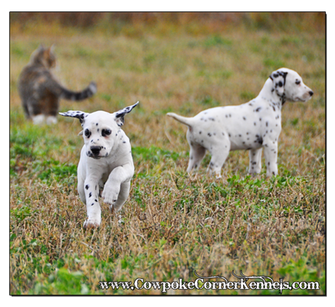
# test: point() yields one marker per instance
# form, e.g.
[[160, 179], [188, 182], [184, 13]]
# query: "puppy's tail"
[[188, 121]]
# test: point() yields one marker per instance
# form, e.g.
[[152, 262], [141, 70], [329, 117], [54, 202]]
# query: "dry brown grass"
[[171, 224]]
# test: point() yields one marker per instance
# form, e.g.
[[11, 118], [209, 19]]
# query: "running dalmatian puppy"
[[105, 161], [250, 126]]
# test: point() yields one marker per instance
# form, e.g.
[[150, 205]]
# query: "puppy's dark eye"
[[297, 81], [87, 133], [106, 132]]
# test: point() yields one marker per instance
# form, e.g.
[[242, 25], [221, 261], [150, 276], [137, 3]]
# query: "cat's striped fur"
[[40, 91]]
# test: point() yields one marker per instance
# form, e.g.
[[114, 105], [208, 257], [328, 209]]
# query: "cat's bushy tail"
[[77, 96]]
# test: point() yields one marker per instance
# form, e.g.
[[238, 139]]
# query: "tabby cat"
[[39, 90]]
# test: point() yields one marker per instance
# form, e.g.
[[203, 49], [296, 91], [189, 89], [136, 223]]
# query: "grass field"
[[172, 225]]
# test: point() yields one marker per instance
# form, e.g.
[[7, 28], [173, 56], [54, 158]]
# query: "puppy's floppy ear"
[[278, 78], [77, 114], [119, 115], [278, 73]]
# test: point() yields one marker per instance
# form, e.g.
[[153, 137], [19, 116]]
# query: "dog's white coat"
[[250, 126], [105, 162]]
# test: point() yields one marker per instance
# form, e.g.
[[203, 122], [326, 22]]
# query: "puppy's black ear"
[[274, 75], [119, 115], [278, 73], [77, 114], [278, 78]]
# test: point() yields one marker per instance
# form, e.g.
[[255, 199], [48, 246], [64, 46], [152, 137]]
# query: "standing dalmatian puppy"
[[251, 126], [105, 161]]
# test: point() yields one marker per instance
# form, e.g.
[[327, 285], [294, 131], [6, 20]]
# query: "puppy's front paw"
[[89, 224], [109, 197]]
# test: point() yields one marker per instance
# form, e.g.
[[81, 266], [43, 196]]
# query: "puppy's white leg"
[[123, 195], [270, 154], [255, 161], [197, 153], [112, 189], [88, 190], [81, 190], [219, 156], [91, 189]]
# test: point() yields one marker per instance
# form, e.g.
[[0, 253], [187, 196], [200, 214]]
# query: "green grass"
[[172, 224]]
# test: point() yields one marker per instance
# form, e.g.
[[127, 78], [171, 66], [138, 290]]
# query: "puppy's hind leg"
[[219, 153], [255, 163], [197, 153]]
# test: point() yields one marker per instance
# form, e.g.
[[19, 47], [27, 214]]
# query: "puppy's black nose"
[[96, 149], [311, 93]]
